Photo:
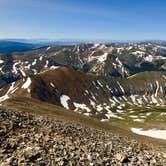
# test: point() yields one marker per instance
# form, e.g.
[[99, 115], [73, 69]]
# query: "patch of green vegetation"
[[151, 117]]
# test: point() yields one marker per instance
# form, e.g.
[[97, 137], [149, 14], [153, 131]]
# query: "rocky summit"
[[29, 139]]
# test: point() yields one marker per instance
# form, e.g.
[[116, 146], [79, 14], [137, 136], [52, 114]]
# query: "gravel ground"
[[31, 140]]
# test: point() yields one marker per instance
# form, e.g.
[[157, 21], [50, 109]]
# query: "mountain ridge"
[[91, 95], [121, 60]]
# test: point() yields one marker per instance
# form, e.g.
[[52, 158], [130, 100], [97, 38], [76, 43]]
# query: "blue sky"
[[83, 19]]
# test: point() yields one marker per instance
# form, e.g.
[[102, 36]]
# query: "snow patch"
[[40, 58], [133, 116], [149, 58], [100, 58], [99, 107], [54, 67], [96, 45], [110, 114], [157, 89], [121, 87], [46, 65], [15, 68], [154, 100], [99, 83], [48, 48], [138, 120], [1, 61], [133, 98], [87, 114], [81, 106], [34, 62], [155, 133], [64, 101], [52, 85], [103, 57], [92, 103], [104, 120], [163, 113], [10, 91], [27, 84], [23, 73]]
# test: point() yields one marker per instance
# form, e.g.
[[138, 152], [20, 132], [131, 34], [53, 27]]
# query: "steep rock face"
[[114, 67], [89, 95]]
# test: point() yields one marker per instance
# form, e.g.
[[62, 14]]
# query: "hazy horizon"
[[79, 40]]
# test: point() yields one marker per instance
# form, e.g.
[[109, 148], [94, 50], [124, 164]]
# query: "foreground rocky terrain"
[[29, 139]]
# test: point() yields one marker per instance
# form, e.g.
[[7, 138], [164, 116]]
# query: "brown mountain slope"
[[89, 95]]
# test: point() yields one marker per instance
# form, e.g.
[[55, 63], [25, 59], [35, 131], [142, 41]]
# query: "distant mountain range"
[[22, 45], [13, 46], [110, 60]]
